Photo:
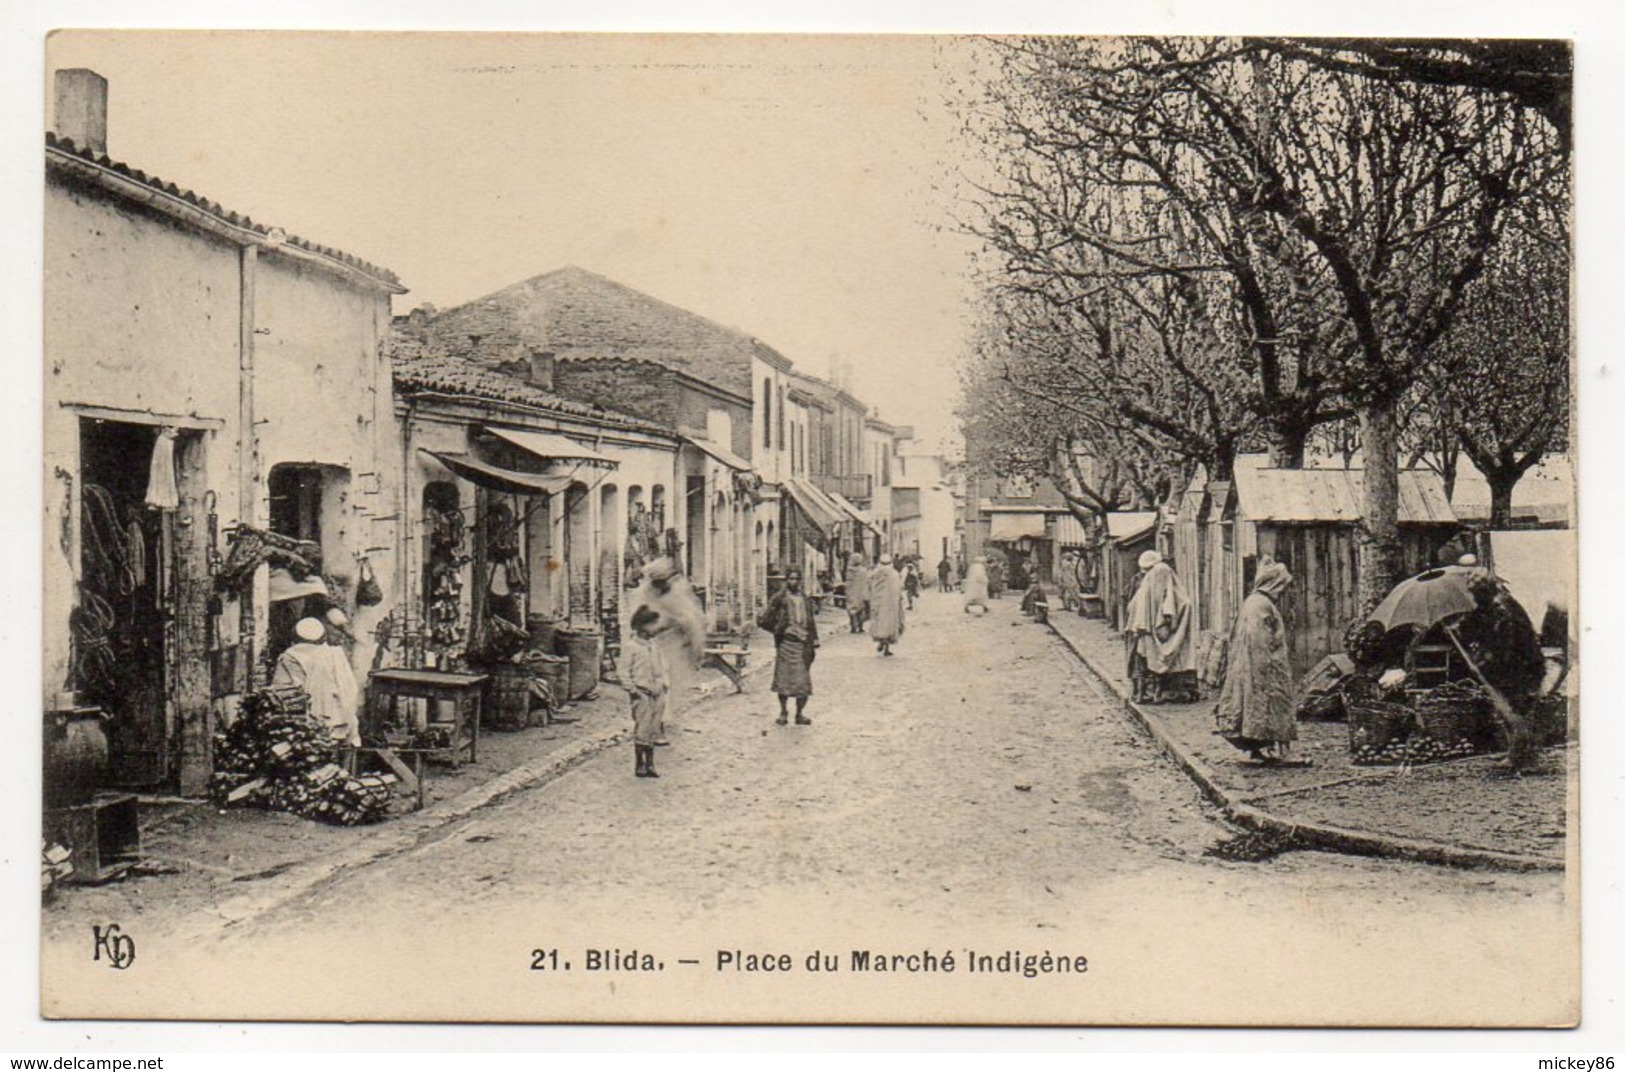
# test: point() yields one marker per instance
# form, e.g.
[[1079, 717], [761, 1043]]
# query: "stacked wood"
[[55, 865], [275, 755]]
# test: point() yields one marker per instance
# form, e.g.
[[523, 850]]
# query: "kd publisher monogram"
[[113, 946]]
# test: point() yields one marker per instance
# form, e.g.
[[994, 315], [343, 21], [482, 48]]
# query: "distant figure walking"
[[789, 617], [976, 584], [857, 592], [1255, 710], [885, 606], [945, 574], [911, 582]]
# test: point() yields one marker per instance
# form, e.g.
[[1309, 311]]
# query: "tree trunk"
[[1379, 536], [1501, 482], [1287, 445]]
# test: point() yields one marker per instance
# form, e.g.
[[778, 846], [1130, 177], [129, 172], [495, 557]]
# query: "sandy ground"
[[1465, 802], [973, 795]]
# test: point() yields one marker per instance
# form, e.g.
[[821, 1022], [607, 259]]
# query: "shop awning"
[[855, 512], [551, 447], [1013, 526], [820, 512], [284, 586], [1069, 531], [510, 481], [721, 454]]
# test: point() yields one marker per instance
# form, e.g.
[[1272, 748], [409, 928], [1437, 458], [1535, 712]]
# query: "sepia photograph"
[[868, 529]]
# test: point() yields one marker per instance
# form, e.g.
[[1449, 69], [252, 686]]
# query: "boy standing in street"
[[646, 686]]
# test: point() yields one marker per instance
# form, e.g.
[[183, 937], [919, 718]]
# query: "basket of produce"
[[1374, 723], [1455, 712], [1416, 749]]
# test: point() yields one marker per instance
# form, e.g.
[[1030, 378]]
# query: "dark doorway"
[[125, 599]]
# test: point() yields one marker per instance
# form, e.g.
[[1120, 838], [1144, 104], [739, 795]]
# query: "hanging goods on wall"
[[368, 593], [162, 492]]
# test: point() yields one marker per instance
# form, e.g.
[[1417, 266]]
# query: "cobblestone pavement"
[[974, 793]]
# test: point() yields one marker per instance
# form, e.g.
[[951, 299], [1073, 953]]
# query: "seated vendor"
[[323, 671]]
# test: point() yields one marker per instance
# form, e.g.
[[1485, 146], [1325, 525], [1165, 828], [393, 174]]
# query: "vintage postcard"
[[716, 529]]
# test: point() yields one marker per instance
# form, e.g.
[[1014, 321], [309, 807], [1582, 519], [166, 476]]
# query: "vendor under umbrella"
[[1483, 623]]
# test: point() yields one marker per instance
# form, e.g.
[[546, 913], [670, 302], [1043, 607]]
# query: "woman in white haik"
[[976, 584]]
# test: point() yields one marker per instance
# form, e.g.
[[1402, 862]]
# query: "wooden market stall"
[[1309, 519]]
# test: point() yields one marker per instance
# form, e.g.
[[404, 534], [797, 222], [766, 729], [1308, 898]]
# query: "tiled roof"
[[215, 209], [418, 367], [579, 315]]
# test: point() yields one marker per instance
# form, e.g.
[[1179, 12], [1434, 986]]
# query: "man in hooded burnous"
[[1255, 711], [1162, 661]]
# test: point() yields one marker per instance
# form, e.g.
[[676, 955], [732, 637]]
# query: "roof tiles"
[[215, 209]]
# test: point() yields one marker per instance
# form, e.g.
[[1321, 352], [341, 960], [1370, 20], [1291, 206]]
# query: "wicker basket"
[[1376, 723], [508, 693], [1458, 711]]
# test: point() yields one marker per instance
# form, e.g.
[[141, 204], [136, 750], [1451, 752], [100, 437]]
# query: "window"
[[781, 416], [767, 413]]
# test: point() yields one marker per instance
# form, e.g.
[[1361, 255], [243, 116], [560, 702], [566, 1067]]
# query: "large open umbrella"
[[1435, 598], [1428, 598]]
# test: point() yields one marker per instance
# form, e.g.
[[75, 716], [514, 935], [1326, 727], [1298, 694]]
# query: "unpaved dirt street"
[[973, 792]]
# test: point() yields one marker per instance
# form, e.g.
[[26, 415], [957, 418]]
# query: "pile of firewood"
[[275, 755], [55, 865]]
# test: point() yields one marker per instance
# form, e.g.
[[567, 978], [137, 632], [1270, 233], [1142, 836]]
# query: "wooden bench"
[[731, 659]]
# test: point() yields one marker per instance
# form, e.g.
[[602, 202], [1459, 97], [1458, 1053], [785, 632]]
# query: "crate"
[[103, 835]]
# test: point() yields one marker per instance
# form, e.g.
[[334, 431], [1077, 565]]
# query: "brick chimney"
[[81, 108], [542, 365]]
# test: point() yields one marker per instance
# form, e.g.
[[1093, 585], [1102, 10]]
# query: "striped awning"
[[820, 513], [1016, 526], [720, 453], [551, 447], [855, 512], [508, 481]]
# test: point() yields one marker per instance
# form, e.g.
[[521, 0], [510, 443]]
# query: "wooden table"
[[731, 660], [385, 688]]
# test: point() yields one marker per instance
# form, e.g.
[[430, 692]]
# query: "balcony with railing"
[[859, 487]]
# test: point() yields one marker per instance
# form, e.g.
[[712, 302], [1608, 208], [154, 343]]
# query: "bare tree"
[[1341, 217], [1501, 379]]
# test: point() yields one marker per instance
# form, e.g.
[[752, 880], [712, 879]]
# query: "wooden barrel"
[[582, 648], [555, 671], [76, 756], [507, 698], [543, 631]]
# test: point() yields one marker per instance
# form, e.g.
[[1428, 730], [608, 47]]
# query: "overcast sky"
[[781, 186]]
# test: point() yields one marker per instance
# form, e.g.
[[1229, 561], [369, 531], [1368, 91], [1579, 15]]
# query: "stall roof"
[[1538, 567], [1007, 525], [1545, 493], [552, 447], [509, 481], [1335, 495], [720, 453], [1126, 526]]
